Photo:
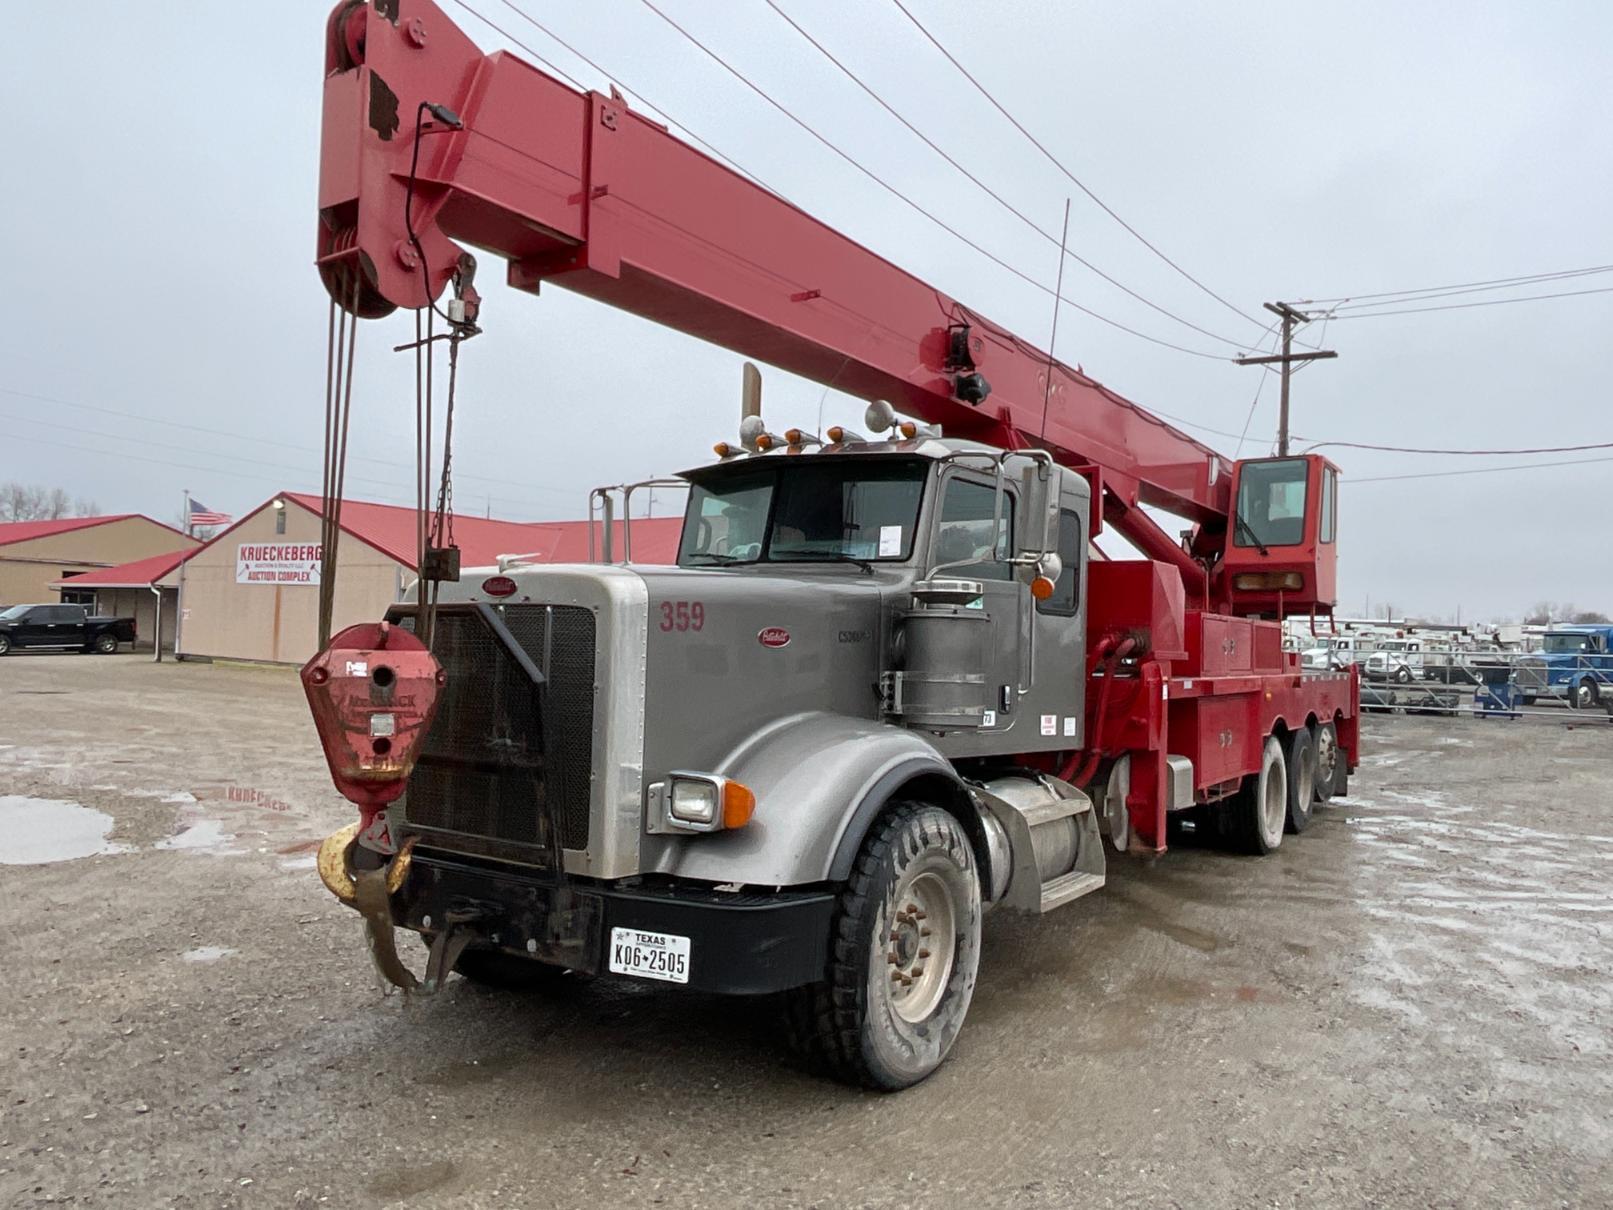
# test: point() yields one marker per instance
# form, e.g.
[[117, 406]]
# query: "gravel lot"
[[1408, 1005]]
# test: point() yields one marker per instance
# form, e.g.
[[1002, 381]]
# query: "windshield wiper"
[[714, 557], [1240, 523], [822, 556]]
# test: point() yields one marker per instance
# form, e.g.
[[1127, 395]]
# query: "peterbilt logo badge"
[[498, 586], [773, 636]]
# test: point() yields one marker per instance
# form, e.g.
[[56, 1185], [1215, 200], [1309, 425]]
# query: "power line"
[[1493, 302], [897, 193], [1479, 470], [1051, 158], [1502, 453], [984, 187], [1494, 283], [580, 87], [255, 440]]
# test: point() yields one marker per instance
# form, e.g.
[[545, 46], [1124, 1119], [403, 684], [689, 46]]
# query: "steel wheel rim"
[[921, 946], [1275, 808], [1326, 753]]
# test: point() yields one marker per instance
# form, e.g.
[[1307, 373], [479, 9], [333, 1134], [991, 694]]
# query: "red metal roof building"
[[251, 592], [35, 555]]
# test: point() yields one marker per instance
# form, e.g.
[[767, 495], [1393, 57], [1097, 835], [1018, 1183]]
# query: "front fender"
[[819, 780]]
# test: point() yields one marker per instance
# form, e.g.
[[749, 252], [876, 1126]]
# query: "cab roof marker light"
[[839, 435], [801, 437]]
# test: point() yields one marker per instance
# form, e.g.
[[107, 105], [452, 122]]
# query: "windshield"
[[798, 511], [1271, 503], [15, 612], [1568, 644]]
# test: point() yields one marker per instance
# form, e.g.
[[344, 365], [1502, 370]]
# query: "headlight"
[[695, 802], [705, 802]]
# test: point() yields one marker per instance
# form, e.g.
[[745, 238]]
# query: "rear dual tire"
[[1257, 815]]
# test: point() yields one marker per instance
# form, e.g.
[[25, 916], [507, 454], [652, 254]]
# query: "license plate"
[[649, 955]]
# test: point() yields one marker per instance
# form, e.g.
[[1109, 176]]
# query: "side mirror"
[[1040, 493]]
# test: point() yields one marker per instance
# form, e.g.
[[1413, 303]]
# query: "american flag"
[[201, 515]]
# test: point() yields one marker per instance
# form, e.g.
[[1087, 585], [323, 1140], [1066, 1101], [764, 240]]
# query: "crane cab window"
[[963, 535], [1330, 504], [1271, 503]]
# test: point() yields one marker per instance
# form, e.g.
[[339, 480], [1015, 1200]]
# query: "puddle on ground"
[[38, 831], [202, 836], [207, 953]]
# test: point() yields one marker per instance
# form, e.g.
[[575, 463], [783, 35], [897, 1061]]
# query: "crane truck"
[[885, 689]]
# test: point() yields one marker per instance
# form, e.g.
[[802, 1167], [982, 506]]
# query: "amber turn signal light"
[[1041, 588], [908, 429], [738, 804]]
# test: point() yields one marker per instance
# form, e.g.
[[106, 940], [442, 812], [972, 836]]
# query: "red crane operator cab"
[[1282, 545]]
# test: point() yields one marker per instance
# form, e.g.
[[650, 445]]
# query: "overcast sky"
[[159, 230]]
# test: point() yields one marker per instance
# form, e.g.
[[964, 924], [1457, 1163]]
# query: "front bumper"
[[743, 943]]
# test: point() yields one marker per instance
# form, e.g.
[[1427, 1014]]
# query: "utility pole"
[[1291, 319]]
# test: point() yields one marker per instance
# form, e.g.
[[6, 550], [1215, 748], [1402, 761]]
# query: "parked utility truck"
[[884, 690]]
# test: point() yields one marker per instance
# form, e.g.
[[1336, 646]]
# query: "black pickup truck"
[[62, 628]]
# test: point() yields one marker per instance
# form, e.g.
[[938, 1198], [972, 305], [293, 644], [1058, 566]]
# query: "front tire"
[[904, 952], [1583, 696], [1258, 812], [5, 644], [1402, 675]]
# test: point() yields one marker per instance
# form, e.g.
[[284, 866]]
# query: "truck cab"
[[860, 647], [1575, 663]]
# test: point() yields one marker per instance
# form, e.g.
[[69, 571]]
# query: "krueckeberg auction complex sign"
[[277, 563]]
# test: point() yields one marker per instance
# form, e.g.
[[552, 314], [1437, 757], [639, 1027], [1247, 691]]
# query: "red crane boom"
[[423, 131]]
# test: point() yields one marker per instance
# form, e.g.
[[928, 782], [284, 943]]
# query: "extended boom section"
[[579, 190]]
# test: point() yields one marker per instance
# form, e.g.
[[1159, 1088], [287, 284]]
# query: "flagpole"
[[179, 596]]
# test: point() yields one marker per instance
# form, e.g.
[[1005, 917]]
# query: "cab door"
[[963, 547], [33, 628]]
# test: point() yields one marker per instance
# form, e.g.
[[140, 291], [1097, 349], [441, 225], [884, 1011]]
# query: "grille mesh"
[[487, 769]]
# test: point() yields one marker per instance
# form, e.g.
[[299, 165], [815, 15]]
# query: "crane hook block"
[[373, 693]]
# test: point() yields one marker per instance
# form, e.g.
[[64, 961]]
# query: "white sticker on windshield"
[[1050, 724], [890, 541]]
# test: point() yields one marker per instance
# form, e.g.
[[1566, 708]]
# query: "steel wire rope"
[[987, 189], [1054, 160]]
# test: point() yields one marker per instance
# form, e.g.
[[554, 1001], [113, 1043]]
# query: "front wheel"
[[5, 644], [105, 644], [1402, 675], [903, 953], [1583, 696]]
